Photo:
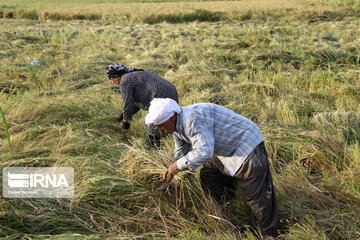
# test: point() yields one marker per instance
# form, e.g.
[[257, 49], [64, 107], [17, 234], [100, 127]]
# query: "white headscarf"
[[161, 110]]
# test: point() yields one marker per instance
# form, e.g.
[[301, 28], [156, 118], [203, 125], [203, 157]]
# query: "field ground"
[[290, 66]]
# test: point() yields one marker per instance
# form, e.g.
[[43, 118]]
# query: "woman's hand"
[[125, 124]]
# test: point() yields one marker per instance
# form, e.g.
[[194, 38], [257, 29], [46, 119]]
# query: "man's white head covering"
[[161, 110]]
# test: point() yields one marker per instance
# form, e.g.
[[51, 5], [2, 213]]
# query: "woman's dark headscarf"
[[116, 70]]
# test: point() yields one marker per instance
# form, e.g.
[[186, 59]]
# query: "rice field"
[[290, 66]]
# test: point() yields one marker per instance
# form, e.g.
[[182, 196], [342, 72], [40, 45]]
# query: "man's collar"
[[179, 128]]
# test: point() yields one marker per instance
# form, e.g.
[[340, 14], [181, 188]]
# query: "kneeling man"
[[230, 148]]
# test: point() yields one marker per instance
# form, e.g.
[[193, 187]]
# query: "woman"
[[138, 88]]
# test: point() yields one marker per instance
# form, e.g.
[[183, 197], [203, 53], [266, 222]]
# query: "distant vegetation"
[[181, 11], [290, 66]]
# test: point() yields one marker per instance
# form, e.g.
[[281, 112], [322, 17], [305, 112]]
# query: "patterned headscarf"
[[115, 70]]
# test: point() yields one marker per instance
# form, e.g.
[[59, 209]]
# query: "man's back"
[[232, 137]]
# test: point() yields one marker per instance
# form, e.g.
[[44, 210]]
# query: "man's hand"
[[171, 171]]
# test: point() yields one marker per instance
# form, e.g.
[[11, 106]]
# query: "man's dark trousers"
[[255, 179]]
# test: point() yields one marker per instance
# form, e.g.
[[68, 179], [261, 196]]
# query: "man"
[[230, 148], [138, 87]]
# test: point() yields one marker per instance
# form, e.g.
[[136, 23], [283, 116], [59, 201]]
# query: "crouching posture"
[[138, 87], [230, 148]]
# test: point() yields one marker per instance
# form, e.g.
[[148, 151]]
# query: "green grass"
[[6, 129], [296, 75]]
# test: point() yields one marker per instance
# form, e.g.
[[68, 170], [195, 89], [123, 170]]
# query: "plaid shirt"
[[204, 130]]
